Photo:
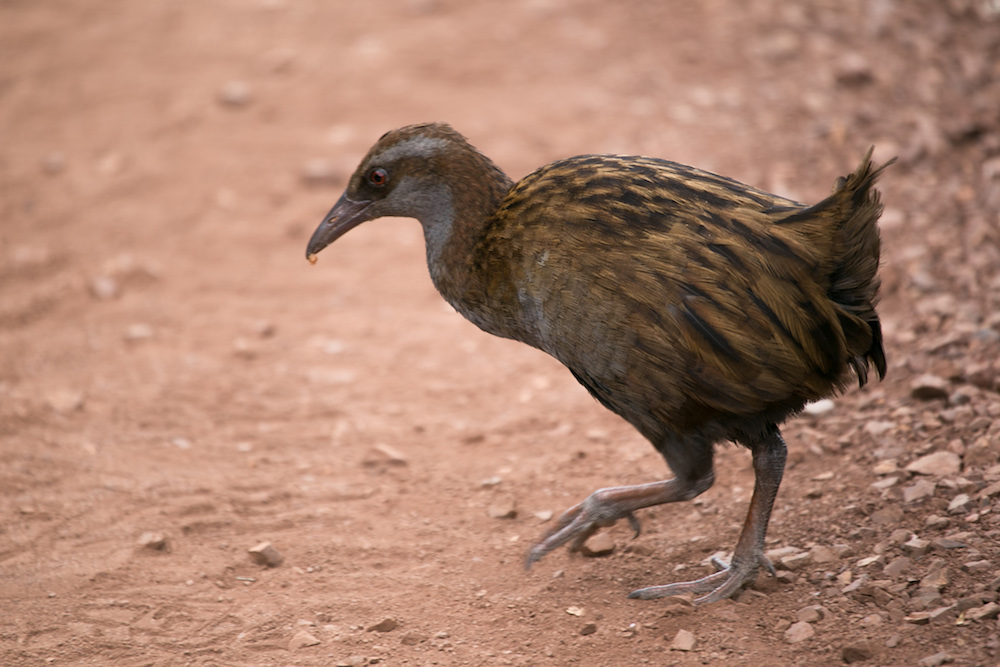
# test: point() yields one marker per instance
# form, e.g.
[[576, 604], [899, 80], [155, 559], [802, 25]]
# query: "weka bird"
[[697, 308]]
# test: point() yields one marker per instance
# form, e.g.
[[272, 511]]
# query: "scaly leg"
[[769, 464]]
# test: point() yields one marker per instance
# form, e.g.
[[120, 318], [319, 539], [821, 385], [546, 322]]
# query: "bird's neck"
[[466, 204]]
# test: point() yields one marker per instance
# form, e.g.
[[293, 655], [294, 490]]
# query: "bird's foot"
[[725, 583], [579, 522]]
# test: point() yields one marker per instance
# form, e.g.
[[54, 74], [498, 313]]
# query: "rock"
[[812, 614], [936, 464], [978, 566], [936, 522], [796, 562], [990, 491], [929, 387], [65, 401], [683, 641], [942, 615], [922, 488], [822, 555], [897, 567], [412, 638], [885, 467], [936, 660], [265, 554], [819, 407], [887, 516], [387, 624], [959, 504], [138, 331], [936, 579], [588, 629], [877, 428], [302, 639], [853, 70], [382, 455], [988, 611], [857, 652], [235, 94], [502, 508], [799, 632], [104, 288], [320, 172], [353, 661], [598, 545], [153, 541], [916, 547]]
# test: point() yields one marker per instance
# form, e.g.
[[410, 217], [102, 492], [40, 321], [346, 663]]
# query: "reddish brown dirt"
[[169, 363]]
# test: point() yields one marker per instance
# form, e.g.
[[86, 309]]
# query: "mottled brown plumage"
[[697, 308]]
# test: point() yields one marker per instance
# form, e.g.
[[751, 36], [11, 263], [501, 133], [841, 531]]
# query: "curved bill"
[[345, 215]]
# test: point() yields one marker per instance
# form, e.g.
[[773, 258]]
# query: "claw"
[[718, 586], [633, 522]]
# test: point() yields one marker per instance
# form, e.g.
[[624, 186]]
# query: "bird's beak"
[[346, 214]]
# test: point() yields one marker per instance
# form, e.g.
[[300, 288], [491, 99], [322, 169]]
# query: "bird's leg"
[[605, 506], [769, 464]]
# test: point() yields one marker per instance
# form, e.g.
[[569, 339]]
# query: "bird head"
[[409, 172]]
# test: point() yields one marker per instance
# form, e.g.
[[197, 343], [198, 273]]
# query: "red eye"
[[378, 177]]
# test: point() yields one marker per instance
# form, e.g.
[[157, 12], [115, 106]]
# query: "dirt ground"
[[178, 385]]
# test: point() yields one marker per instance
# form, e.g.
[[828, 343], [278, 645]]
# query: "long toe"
[[718, 586]]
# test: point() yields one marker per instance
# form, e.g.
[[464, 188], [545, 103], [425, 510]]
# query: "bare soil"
[[172, 368]]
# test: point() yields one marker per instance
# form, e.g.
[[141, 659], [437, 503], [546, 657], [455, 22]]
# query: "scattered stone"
[[683, 641], [887, 516], [853, 70], [919, 618], [575, 611], [936, 660], [320, 172], [775, 555], [138, 331], [936, 579], [929, 387], [988, 611], [822, 555], [916, 547], [104, 288], [978, 566], [990, 491], [937, 522], [942, 615], [885, 467], [302, 639], [959, 504], [897, 567], [877, 428], [588, 629], [353, 661], [799, 632], [601, 544], [819, 407], [937, 464], [893, 641], [412, 638], [502, 508], [153, 541], [382, 455], [265, 554], [948, 543], [857, 652], [812, 614], [387, 624], [235, 94], [544, 515], [796, 562], [65, 401], [922, 488]]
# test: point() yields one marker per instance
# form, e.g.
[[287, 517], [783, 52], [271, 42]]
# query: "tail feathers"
[[854, 282]]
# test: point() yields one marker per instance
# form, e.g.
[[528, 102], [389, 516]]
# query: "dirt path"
[[171, 367]]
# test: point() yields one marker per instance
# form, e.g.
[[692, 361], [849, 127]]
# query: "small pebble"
[[937, 464], [799, 632], [936, 660], [265, 554], [412, 638], [684, 640], [857, 652], [811, 614], [929, 387], [588, 629], [153, 541], [988, 611], [387, 624], [302, 639], [922, 488], [601, 544], [235, 94]]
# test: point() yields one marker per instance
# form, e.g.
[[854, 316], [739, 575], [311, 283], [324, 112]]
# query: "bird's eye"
[[378, 177]]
